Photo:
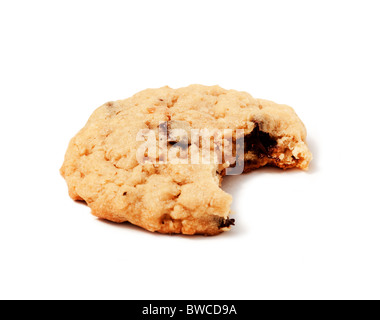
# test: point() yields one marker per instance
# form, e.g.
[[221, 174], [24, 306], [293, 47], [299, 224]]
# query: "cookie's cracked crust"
[[101, 169]]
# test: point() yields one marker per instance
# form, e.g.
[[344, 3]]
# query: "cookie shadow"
[[133, 228], [235, 231], [81, 202], [314, 148]]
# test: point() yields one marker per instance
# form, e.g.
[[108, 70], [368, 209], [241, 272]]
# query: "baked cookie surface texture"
[[142, 159]]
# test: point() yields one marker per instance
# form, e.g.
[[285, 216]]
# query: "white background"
[[299, 235]]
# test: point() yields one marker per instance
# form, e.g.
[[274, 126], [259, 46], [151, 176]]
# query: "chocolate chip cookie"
[[143, 159]]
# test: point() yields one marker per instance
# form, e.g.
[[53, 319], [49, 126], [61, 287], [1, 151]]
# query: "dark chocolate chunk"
[[259, 142], [225, 223]]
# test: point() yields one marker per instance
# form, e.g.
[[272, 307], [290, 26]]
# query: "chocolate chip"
[[259, 142], [225, 223]]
